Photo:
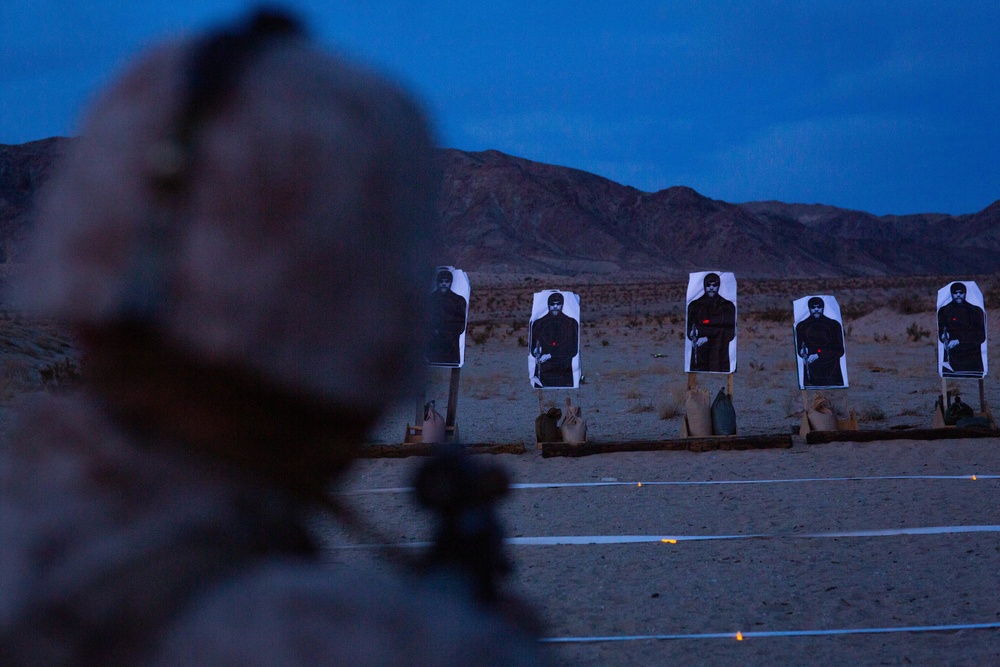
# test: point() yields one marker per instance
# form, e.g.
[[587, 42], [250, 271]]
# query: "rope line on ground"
[[710, 482], [777, 633], [578, 540]]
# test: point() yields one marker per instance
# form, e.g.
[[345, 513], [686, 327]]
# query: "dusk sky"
[[888, 107]]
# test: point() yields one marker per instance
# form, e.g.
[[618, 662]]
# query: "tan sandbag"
[[433, 431], [697, 407], [821, 415], [573, 427]]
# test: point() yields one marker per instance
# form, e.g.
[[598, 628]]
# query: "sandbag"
[[573, 427], [433, 431], [547, 426], [973, 422], [698, 412], [821, 415], [957, 410], [723, 414]]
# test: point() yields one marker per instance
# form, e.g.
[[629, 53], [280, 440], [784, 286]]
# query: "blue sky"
[[889, 107]]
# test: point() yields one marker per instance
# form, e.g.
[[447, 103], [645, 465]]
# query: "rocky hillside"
[[23, 168], [507, 214]]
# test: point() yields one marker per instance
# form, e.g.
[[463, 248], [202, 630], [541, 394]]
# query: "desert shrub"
[[671, 403], [605, 343], [915, 332], [910, 304], [479, 337], [19, 376], [774, 314], [871, 413], [59, 374], [637, 407], [991, 294], [522, 342], [785, 364], [856, 309]]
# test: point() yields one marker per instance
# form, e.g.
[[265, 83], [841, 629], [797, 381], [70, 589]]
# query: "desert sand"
[[786, 583], [777, 584], [632, 359]]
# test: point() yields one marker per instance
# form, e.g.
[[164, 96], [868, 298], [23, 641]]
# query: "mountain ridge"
[[503, 213]]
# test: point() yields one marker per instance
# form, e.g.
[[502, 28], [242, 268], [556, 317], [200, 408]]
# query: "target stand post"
[[414, 433], [945, 400]]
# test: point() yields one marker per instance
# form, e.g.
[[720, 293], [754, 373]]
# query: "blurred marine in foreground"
[[211, 240]]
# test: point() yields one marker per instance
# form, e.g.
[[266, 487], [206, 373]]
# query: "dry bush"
[[871, 412], [991, 294], [853, 310], [481, 387], [915, 332], [637, 407], [672, 403], [910, 304], [479, 337], [757, 376], [792, 405], [785, 364], [773, 314], [661, 369], [59, 374], [19, 376]]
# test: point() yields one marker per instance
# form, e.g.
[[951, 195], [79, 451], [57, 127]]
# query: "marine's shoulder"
[[299, 613]]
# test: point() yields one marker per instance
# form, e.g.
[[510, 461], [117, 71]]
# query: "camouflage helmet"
[[282, 225]]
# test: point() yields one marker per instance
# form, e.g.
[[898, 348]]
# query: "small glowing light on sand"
[[666, 541], [973, 477], [739, 636], [640, 483]]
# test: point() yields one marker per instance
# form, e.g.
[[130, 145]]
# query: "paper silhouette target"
[[554, 340], [710, 325], [448, 310], [961, 331], [819, 343]]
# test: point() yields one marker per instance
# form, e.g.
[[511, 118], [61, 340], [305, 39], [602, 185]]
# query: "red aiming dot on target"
[[705, 321]]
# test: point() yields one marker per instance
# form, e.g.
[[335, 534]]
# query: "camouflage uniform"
[[214, 270]]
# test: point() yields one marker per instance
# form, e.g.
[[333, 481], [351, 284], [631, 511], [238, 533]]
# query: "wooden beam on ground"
[[741, 442], [420, 449], [820, 437]]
